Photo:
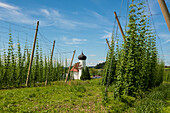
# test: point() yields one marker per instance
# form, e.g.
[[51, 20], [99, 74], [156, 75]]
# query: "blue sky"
[[80, 25]]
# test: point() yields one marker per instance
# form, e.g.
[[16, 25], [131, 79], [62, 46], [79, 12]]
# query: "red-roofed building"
[[75, 68]]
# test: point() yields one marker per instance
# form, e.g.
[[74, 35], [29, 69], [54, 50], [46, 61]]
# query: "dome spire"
[[82, 56]]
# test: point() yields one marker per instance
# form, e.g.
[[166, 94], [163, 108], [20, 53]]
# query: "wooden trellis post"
[[46, 82], [120, 27], [108, 43], [165, 12], [32, 56], [70, 66]]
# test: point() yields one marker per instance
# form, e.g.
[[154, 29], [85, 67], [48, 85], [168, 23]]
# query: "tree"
[[85, 74], [92, 71]]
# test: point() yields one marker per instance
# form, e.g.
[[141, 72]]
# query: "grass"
[[76, 96], [155, 101], [166, 76], [80, 96], [167, 107]]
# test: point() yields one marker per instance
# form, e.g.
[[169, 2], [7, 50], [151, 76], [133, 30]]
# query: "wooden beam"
[[108, 44], [70, 65], [165, 12], [121, 30], [32, 56], [46, 82]]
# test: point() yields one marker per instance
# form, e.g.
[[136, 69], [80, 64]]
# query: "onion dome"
[[82, 57]]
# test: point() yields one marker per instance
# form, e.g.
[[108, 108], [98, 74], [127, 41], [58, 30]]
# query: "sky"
[[80, 25]]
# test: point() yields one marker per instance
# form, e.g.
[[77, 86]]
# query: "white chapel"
[[76, 70]]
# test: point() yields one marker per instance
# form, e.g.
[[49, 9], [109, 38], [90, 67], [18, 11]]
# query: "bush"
[[85, 74]]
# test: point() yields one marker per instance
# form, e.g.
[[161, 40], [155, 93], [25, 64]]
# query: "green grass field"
[[76, 96]]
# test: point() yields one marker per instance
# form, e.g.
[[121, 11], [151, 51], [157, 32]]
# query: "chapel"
[[76, 70]]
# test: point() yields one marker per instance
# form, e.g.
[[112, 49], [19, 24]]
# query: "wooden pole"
[[32, 55], [165, 12], [46, 82], [70, 65], [119, 26], [108, 43]]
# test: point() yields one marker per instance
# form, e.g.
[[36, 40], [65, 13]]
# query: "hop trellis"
[[134, 66], [16, 43]]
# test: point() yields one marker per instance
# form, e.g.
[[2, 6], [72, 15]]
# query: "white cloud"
[[52, 13], [64, 38], [91, 64], [166, 37], [46, 16], [56, 13], [14, 14], [164, 55], [73, 40], [76, 46], [101, 61], [78, 40], [92, 55], [45, 11], [167, 41], [7, 6], [54, 18], [99, 17], [107, 35], [160, 24]]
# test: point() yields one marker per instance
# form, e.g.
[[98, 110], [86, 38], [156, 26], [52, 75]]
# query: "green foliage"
[[100, 66], [1, 70], [134, 67], [154, 101], [14, 66], [110, 66], [85, 74], [166, 76], [76, 88], [19, 67], [150, 106], [116, 106], [81, 96], [92, 71], [41, 65], [128, 99]]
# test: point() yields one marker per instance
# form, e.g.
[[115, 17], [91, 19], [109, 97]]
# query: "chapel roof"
[[82, 57]]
